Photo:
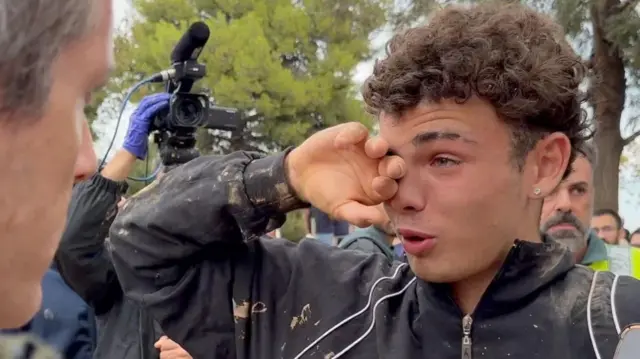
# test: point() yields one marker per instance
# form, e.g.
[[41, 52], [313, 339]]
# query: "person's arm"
[[82, 259], [177, 245], [189, 250]]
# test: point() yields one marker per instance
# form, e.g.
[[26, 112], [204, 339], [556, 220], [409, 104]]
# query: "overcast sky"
[[105, 125]]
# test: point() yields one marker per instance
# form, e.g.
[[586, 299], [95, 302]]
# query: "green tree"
[[286, 65], [607, 32], [91, 111]]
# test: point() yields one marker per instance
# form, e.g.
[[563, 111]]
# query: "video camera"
[[175, 130]]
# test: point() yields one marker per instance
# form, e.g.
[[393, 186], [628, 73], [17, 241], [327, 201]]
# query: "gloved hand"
[[137, 138]]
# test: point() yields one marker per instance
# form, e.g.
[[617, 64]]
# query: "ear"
[[550, 160]]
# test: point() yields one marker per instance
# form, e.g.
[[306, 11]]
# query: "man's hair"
[[507, 54], [32, 33], [589, 151], [609, 212]]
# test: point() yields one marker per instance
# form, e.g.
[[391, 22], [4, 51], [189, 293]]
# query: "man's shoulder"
[[21, 346], [607, 295], [625, 294]]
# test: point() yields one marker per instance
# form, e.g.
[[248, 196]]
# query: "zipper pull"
[[467, 322]]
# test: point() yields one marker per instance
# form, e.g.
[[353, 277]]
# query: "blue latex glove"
[[137, 138]]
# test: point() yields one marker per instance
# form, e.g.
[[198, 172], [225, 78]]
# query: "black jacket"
[[187, 250], [83, 260]]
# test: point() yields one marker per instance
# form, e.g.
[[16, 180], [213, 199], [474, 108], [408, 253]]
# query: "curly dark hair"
[[507, 54]]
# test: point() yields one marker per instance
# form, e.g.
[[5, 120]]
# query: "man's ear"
[[550, 160]]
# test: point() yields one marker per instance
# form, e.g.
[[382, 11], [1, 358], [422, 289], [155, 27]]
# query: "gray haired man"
[[54, 55]]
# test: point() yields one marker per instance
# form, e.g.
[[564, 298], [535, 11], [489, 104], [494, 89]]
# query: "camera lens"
[[189, 113]]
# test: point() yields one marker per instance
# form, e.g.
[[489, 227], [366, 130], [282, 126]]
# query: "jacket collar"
[[596, 250], [528, 269]]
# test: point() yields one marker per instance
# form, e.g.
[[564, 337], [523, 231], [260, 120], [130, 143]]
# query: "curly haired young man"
[[480, 116]]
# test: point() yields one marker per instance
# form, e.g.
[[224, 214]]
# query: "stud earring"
[[537, 191]]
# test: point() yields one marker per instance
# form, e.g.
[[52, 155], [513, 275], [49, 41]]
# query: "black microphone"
[[191, 43], [188, 48]]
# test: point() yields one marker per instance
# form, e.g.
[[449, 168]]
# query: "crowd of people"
[[476, 236]]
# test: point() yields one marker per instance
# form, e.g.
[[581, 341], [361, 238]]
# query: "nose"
[[563, 201], [409, 197], [86, 162]]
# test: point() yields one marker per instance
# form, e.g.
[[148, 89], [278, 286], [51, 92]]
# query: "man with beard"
[[479, 113], [566, 215]]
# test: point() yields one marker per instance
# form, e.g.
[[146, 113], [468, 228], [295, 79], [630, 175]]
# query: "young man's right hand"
[[344, 173]]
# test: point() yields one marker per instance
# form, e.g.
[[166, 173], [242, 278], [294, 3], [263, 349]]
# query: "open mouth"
[[416, 243]]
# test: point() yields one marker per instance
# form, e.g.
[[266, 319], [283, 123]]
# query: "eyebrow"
[[580, 183], [432, 136]]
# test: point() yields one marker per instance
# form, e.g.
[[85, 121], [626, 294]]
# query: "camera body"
[[187, 112], [175, 130], [190, 111]]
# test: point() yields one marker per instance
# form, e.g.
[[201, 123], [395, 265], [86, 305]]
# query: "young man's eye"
[[443, 161]]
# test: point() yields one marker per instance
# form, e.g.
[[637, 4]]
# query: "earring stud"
[[537, 191]]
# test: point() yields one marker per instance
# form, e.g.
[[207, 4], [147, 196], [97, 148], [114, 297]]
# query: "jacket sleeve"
[[626, 298], [177, 243], [82, 258]]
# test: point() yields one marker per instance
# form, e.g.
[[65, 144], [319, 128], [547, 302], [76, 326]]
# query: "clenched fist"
[[345, 173]]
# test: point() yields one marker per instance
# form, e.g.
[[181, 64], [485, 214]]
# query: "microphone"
[[188, 48], [191, 43]]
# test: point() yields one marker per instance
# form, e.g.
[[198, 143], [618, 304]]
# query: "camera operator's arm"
[[81, 258]]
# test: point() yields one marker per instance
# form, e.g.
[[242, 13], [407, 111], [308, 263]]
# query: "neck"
[[468, 292]]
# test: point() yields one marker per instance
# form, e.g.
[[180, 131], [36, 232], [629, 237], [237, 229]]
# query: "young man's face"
[[40, 161], [566, 212], [606, 227], [463, 190]]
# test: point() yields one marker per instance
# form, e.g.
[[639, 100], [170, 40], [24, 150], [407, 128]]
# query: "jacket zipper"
[[467, 322]]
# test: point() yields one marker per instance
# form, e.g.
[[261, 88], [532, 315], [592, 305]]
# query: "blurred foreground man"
[[54, 55], [479, 114], [566, 215]]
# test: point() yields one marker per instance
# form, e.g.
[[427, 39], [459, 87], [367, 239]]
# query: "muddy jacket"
[[188, 250], [83, 260]]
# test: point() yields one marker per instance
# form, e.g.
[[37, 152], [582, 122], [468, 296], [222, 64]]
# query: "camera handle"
[[176, 148]]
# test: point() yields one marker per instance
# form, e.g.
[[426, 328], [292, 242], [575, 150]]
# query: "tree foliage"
[[287, 65], [607, 33]]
